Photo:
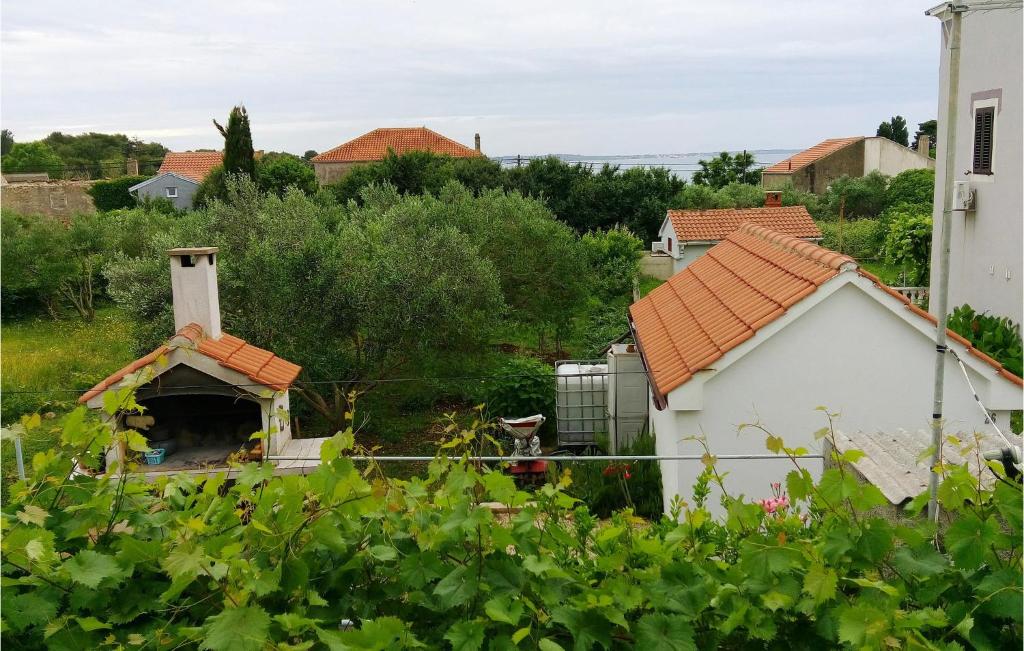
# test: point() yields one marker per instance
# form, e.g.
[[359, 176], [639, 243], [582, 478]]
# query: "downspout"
[[942, 308]]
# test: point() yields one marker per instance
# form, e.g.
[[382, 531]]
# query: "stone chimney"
[[476, 141], [132, 167], [773, 199], [194, 288], [923, 144]]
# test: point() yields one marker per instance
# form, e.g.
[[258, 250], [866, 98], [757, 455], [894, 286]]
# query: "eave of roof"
[[811, 155], [259, 365], [714, 225], [159, 176]]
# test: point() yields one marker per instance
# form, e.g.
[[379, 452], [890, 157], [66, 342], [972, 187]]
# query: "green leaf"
[[465, 636], [384, 552], [136, 441], [28, 609], [586, 626], [519, 635], [506, 608], [919, 563], [90, 568], [659, 632], [549, 645], [32, 514], [255, 473], [236, 629], [91, 624], [456, 588], [861, 625], [969, 538], [820, 583]]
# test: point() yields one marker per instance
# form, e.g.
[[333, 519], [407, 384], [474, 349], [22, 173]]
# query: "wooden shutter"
[[984, 121]]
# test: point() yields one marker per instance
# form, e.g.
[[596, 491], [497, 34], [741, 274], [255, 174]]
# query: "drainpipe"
[[942, 308]]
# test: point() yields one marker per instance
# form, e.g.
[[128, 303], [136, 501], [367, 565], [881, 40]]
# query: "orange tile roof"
[[260, 366], [193, 165], [375, 145], [715, 225], [725, 296], [808, 156]]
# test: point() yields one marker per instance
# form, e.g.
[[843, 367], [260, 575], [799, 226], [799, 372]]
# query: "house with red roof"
[[766, 327], [374, 146], [205, 392], [685, 235], [179, 177], [813, 169]]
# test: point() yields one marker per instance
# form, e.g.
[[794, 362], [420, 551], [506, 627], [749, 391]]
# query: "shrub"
[[522, 386], [113, 194], [793, 197], [277, 172], [700, 197], [997, 337], [347, 558], [743, 195], [605, 324], [911, 186], [908, 243], [613, 258], [862, 239], [609, 487], [862, 196]]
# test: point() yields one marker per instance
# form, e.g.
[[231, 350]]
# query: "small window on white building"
[[984, 130], [171, 192], [670, 245]]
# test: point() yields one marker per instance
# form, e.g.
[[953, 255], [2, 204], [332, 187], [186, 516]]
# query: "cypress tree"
[[238, 153]]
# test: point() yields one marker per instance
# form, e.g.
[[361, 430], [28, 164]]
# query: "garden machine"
[[525, 443]]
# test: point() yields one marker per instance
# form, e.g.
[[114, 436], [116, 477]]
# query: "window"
[[670, 245], [984, 123], [171, 191]]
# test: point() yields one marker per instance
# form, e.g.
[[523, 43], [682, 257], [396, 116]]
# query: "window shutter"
[[984, 121]]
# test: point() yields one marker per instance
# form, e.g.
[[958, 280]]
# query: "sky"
[[557, 76]]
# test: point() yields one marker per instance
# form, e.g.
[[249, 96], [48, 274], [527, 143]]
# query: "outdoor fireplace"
[[204, 392]]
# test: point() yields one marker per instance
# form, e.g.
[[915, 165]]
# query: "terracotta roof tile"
[[725, 296], [715, 225], [193, 165], [375, 145], [808, 156], [260, 366]]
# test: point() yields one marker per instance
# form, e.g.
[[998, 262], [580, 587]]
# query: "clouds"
[[590, 77]]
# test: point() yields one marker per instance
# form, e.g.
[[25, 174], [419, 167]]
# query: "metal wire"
[[566, 457], [988, 415]]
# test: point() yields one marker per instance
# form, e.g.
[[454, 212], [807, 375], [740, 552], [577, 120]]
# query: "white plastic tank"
[[627, 395], [581, 399]]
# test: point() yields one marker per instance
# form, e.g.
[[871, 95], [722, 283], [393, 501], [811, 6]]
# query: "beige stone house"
[[373, 146], [812, 170]]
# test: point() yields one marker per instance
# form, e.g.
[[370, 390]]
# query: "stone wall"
[[656, 266], [327, 173], [52, 198]]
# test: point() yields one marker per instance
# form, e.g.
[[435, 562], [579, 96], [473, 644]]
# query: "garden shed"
[[205, 392], [765, 328]]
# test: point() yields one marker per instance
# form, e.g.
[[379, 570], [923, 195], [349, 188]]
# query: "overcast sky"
[[557, 76]]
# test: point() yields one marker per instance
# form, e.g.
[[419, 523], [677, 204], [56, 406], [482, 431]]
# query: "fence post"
[[18, 455]]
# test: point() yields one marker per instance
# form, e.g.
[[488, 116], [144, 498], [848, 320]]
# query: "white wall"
[[848, 353], [891, 158], [668, 233], [986, 244], [688, 254]]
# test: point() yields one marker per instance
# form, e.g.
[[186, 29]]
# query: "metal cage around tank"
[[581, 402]]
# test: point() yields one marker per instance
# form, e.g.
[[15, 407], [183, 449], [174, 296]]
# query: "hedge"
[[113, 194]]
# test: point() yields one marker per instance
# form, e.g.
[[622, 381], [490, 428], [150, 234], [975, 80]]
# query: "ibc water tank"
[[581, 399]]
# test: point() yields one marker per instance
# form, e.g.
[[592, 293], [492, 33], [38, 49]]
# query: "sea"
[[682, 165]]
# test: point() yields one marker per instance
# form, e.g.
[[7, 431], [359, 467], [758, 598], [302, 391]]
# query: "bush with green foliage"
[[911, 187], [521, 386], [908, 243], [47, 264], [895, 129], [103, 155], [858, 197], [997, 337], [113, 194], [613, 257], [33, 157], [277, 172], [726, 169], [350, 559], [616, 485], [418, 172], [863, 239]]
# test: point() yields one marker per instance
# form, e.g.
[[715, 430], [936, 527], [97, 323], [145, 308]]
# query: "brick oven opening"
[[198, 420]]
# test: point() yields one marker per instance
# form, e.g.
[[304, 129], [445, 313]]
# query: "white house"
[[685, 235], [765, 328], [985, 241], [205, 391]]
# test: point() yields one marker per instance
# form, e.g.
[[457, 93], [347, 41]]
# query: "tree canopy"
[[728, 168], [896, 130], [239, 157]]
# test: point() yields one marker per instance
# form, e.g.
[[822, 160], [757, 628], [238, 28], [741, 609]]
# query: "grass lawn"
[[889, 274], [45, 355], [647, 283]]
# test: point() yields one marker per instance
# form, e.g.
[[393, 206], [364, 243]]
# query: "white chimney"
[[194, 288], [923, 144]]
